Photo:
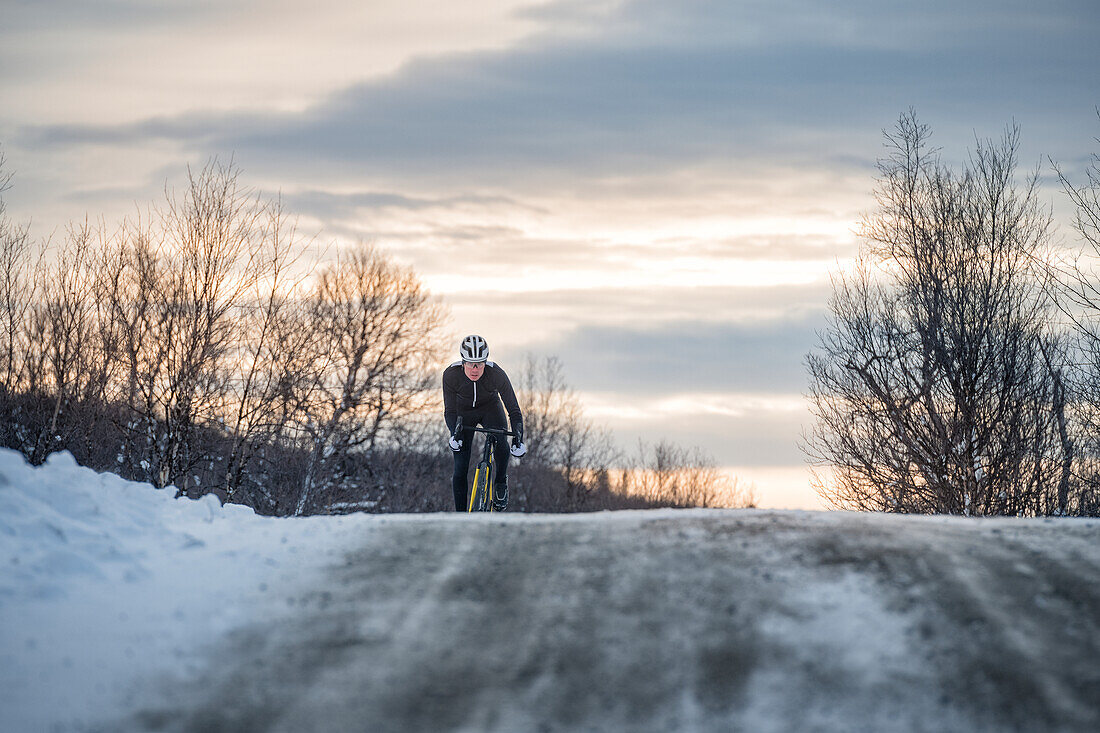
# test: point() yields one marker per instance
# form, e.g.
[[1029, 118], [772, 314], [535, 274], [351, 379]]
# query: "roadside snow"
[[109, 582]]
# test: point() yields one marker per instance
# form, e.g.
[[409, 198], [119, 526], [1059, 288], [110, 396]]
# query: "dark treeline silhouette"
[[945, 381], [205, 346]]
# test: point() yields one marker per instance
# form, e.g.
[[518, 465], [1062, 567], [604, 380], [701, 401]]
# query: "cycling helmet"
[[474, 348]]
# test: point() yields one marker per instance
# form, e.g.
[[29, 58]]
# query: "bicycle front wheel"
[[479, 494]]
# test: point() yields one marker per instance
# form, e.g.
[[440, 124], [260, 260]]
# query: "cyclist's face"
[[473, 369]]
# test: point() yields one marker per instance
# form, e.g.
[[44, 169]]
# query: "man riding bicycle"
[[473, 389]]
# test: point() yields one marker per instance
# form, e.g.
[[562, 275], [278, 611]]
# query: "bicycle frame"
[[482, 491]]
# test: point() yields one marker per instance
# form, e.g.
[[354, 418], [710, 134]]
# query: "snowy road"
[[662, 621]]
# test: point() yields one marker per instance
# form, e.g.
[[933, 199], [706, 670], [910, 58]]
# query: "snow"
[[109, 582], [123, 608]]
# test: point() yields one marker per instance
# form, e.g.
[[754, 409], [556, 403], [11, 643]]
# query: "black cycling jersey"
[[461, 396]]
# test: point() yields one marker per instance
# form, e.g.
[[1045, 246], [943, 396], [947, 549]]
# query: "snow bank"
[[64, 523], [107, 582]]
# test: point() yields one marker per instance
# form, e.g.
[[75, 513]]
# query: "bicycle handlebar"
[[476, 429]]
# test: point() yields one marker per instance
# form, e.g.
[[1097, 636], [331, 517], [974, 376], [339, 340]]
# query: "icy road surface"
[[123, 608], [672, 621]]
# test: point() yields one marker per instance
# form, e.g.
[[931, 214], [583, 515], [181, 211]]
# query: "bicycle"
[[481, 493]]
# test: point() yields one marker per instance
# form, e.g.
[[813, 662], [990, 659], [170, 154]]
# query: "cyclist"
[[473, 389]]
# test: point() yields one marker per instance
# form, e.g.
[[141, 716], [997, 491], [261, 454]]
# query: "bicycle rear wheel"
[[479, 494]]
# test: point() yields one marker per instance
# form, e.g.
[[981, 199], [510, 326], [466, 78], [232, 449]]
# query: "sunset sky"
[[655, 192]]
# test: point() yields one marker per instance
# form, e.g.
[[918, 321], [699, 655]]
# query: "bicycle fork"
[[483, 476]]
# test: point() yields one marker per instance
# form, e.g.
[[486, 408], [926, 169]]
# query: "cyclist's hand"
[[519, 450], [456, 444]]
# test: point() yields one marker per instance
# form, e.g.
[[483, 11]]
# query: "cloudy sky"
[[655, 192]]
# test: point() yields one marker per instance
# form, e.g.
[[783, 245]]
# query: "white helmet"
[[474, 348]]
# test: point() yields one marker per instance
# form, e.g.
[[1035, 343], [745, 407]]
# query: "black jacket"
[[469, 399]]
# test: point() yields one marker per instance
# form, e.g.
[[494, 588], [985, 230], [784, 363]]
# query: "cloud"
[[26, 16], [690, 356], [534, 116], [758, 436], [338, 205], [662, 87], [501, 255], [586, 327]]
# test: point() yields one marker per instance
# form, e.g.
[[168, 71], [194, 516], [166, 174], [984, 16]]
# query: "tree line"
[[959, 371], [205, 344]]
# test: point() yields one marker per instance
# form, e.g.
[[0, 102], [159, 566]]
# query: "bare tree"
[[129, 284], [22, 359], [17, 292], [274, 360], [560, 438], [666, 474], [221, 362], [62, 323], [935, 384], [53, 371], [1079, 299], [175, 285], [380, 334]]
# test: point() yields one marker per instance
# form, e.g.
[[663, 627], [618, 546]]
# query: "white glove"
[[519, 451], [456, 444]]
